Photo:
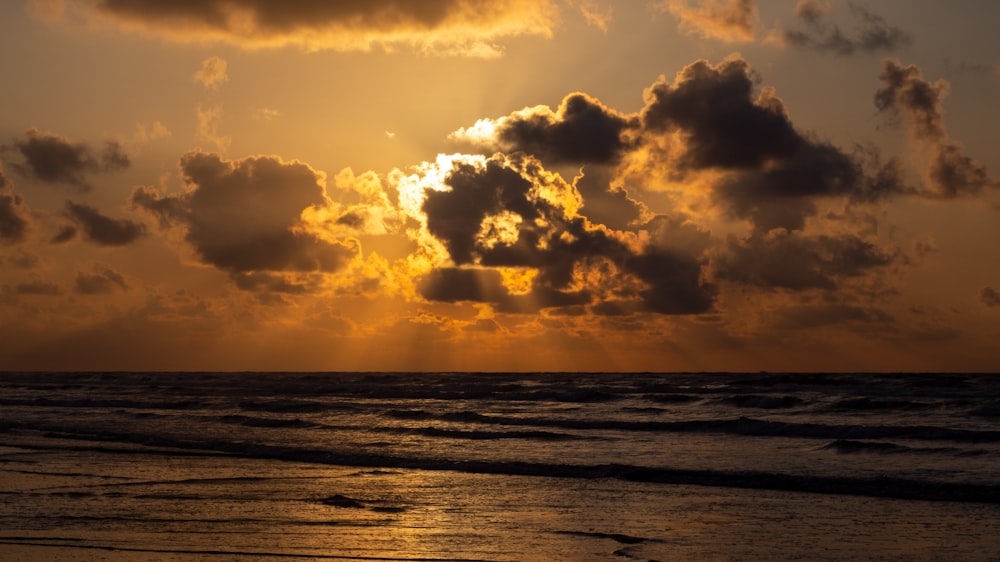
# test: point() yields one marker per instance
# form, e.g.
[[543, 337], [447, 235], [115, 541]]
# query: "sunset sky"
[[489, 185]]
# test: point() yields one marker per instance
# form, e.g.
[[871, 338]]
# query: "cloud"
[[990, 297], [209, 121], [874, 34], [15, 218], [22, 259], [606, 200], [452, 284], [271, 283], [53, 158], [513, 236], [797, 262], [38, 288], [593, 14], [581, 130], [709, 119], [463, 27], [212, 73], [906, 95], [98, 228], [811, 316], [731, 21], [244, 216], [153, 131], [709, 127], [266, 113], [47, 10], [102, 281], [709, 138]]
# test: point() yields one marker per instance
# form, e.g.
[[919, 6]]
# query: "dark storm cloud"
[[451, 26], [100, 229], [775, 172], [102, 281], [798, 262], [14, 216], [906, 95], [244, 216], [582, 130], [874, 34], [537, 233], [53, 158]]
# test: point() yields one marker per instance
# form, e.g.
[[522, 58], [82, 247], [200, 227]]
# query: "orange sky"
[[499, 185]]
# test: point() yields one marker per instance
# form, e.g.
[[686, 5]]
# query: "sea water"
[[499, 466]]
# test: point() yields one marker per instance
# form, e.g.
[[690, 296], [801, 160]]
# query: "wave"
[[739, 426], [880, 486], [291, 407], [105, 403], [866, 404], [988, 410], [766, 401], [249, 421], [669, 398], [847, 446], [77, 543], [482, 435]]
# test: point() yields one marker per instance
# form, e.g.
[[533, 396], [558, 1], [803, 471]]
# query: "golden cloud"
[[455, 27]]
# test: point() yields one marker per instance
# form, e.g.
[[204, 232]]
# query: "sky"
[[490, 185]]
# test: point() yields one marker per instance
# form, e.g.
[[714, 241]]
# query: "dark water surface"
[[539, 466]]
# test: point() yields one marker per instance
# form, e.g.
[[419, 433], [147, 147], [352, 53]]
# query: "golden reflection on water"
[[150, 507]]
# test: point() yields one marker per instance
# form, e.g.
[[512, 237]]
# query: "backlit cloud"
[[711, 134], [711, 126], [581, 130], [52, 158], [907, 96], [244, 216], [99, 228], [466, 27], [515, 239], [762, 168]]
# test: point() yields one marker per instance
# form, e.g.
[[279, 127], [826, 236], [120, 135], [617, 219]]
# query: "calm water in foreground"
[[371, 466]]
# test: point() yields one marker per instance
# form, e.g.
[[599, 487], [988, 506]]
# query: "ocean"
[[499, 466]]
